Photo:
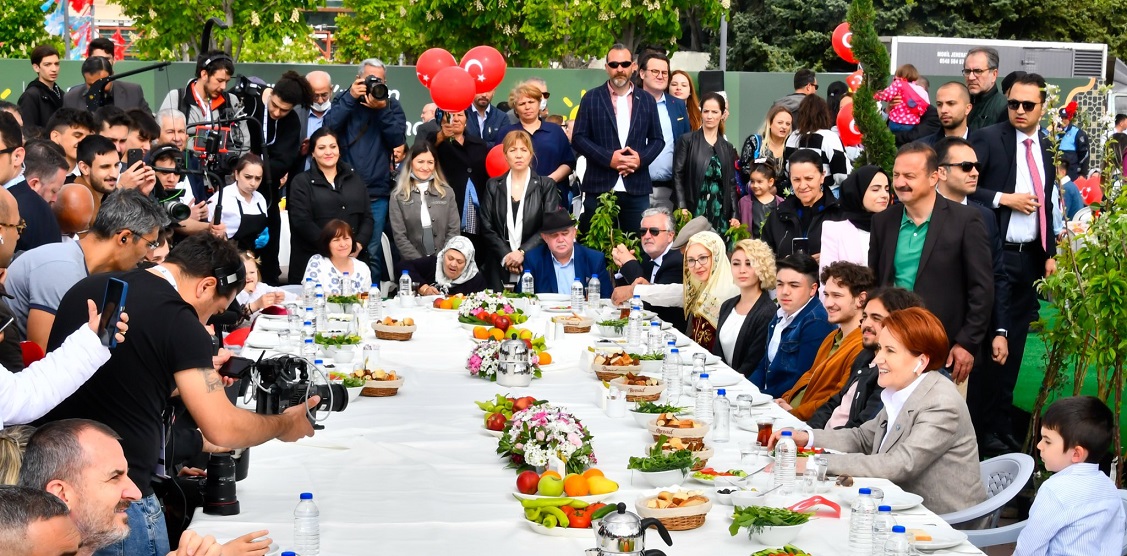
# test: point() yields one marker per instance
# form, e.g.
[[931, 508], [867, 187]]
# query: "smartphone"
[[133, 156], [800, 245], [112, 306]]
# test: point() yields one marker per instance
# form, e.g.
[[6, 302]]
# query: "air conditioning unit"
[[944, 56]]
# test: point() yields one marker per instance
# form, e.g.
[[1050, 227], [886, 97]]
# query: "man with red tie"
[[1017, 181]]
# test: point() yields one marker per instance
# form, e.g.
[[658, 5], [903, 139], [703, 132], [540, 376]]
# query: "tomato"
[[581, 519], [568, 510]]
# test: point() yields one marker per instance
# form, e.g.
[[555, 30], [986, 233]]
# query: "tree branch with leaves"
[[879, 143]]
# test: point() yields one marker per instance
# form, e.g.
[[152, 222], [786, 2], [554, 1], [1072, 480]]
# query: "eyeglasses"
[[652, 231], [623, 65], [699, 261], [977, 72], [8, 150], [22, 224], [965, 166], [152, 243], [658, 73], [1026, 105]]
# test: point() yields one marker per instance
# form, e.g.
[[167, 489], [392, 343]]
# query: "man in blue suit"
[[617, 129], [673, 119], [559, 261], [483, 119]]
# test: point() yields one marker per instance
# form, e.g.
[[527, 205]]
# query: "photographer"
[[166, 162], [169, 350], [370, 126], [205, 98]]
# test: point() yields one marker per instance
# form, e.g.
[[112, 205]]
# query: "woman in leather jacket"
[[800, 215], [512, 210], [704, 171]]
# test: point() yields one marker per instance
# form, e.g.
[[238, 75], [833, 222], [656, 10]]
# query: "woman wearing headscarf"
[[864, 193], [708, 284], [450, 271]]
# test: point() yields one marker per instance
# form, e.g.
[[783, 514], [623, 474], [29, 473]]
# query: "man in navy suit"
[[618, 130], [483, 119], [673, 119], [560, 261], [1017, 182]]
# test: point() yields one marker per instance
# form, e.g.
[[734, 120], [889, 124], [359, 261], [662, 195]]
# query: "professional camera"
[[248, 87], [217, 488], [283, 381], [377, 89], [176, 209]]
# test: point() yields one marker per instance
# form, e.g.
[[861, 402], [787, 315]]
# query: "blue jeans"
[[375, 246], [148, 534]]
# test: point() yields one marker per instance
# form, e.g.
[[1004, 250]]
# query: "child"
[[1077, 510], [256, 295], [1073, 201], [762, 199], [913, 99]]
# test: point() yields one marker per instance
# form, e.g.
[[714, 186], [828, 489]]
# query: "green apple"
[[549, 486]]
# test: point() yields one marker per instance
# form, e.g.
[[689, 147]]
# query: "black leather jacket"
[[690, 160], [540, 197]]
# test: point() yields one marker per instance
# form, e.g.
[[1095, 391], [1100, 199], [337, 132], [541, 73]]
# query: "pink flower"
[[574, 439], [540, 435]]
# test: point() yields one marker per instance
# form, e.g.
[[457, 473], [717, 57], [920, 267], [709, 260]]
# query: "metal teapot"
[[623, 533], [514, 367]]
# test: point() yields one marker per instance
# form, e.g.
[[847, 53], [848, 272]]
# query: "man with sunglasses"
[[805, 84], [661, 264], [617, 129], [980, 71], [1017, 182]]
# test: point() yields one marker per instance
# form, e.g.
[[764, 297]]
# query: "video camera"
[[283, 381], [377, 89], [176, 209]]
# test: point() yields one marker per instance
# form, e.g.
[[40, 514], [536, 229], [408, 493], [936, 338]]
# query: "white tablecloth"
[[417, 473]]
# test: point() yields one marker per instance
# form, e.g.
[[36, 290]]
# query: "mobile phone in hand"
[[800, 245], [112, 306], [133, 156]]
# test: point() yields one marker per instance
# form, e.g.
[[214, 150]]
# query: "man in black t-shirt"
[[168, 349]]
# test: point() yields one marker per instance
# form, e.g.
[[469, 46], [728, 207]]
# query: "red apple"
[[437, 304], [527, 482], [523, 403], [496, 422], [503, 322]]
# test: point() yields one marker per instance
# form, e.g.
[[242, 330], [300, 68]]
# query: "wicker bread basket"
[[399, 333]]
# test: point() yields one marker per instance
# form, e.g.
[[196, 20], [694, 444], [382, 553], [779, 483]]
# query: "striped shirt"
[[835, 164], [1077, 512]]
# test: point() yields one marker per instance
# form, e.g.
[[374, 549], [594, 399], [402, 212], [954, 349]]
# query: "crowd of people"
[[889, 311]]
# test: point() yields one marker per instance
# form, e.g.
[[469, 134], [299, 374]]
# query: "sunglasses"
[[19, 226], [1027, 105], [616, 65], [546, 95], [965, 166], [652, 231]]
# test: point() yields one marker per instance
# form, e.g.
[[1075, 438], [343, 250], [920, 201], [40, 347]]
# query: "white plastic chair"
[[1003, 476]]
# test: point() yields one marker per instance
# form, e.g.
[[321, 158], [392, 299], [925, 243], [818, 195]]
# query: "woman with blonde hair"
[[554, 158], [681, 86], [767, 145], [423, 209], [746, 317], [13, 442], [708, 283]]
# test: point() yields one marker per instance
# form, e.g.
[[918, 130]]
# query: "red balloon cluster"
[[495, 162], [452, 86], [842, 41], [847, 127]]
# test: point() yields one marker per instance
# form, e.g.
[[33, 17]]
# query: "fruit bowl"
[[675, 518], [377, 387], [777, 535], [590, 498], [639, 393]]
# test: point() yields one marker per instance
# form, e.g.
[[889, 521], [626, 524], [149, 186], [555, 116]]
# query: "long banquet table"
[[417, 473]]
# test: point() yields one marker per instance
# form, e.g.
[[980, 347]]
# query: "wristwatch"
[[1002, 332]]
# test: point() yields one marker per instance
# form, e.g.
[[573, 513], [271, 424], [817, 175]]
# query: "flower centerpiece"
[[483, 307], [534, 435], [485, 360]]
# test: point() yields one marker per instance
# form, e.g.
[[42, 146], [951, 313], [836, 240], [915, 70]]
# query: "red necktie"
[[1038, 190]]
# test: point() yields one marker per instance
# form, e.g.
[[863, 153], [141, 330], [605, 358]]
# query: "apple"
[[437, 303], [527, 343], [502, 322], [549, 486], [528, 482], [496, 422], [523, 403]]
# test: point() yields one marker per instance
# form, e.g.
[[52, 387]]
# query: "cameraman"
[[165, 161], [169, 350], [369, 127]]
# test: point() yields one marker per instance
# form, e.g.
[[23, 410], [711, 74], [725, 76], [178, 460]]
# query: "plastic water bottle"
[[405, 285], [307, 292], [882, 528], [577, 297], [527, 283], [307, 526], [307, 331], [785, 452], [288, 553], [320, 316], [721, 417], [671, 376], [309, 350], [697, 371], [898, 543], [861, 515], [345, 284], [654, 339], [634, 327], [594, 292], [375, 304], [318, 289], [319, 364], [704, 397]]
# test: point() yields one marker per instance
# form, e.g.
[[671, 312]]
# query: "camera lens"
[[219, 494], [178, 211], [339, 397]]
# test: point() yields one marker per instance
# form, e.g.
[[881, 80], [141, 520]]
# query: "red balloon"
[[1090, 190], [487, 67], [854, 80], [431, 62], [847, 127], [495, 162], [452, 89], [843, 43]]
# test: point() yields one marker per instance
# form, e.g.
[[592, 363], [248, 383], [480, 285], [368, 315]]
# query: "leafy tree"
[[21, 29], [302, 50], [880, 145], [377, 28]]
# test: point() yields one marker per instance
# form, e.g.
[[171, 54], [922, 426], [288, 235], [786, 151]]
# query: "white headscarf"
[[463, 246]]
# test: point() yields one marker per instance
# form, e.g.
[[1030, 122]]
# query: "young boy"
[[1078, 510]]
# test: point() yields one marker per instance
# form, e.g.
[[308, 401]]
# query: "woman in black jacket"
[[329, 190], [741, 331], [704, 169], [800, 216], [512, 209]]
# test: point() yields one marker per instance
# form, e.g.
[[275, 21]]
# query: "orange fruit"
[[480, 333], [576, 485], [592, 472], [496, 334], [545, 358], [550, 473], [446, 304]]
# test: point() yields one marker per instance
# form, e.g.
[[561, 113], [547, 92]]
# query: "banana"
[[554, 511]]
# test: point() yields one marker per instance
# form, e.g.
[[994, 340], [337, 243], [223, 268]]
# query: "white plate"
[[725, 379], [266, 317], [262, 339], [495, 434], [897, 499], [590, 498], [709, 359], [554, 309], [574, 533], [554, 297], [943, 538], [272, 325], [720, 481]]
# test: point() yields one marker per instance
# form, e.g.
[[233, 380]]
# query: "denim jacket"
[[797, 350]]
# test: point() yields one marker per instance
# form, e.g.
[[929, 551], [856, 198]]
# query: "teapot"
[[514, 367], [623, 533]]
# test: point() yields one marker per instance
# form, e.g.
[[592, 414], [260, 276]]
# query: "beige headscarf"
[[703, 300]]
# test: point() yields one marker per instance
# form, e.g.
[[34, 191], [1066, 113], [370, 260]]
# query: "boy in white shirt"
[[1078, 510]]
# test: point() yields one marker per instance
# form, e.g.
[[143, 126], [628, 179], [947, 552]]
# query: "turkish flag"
[[119, 45]]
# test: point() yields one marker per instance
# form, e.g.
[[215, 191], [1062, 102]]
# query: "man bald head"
[[322, 86], [74, 209], [9, 221]]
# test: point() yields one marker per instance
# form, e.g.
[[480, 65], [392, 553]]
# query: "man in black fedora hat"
[[560, 261]]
